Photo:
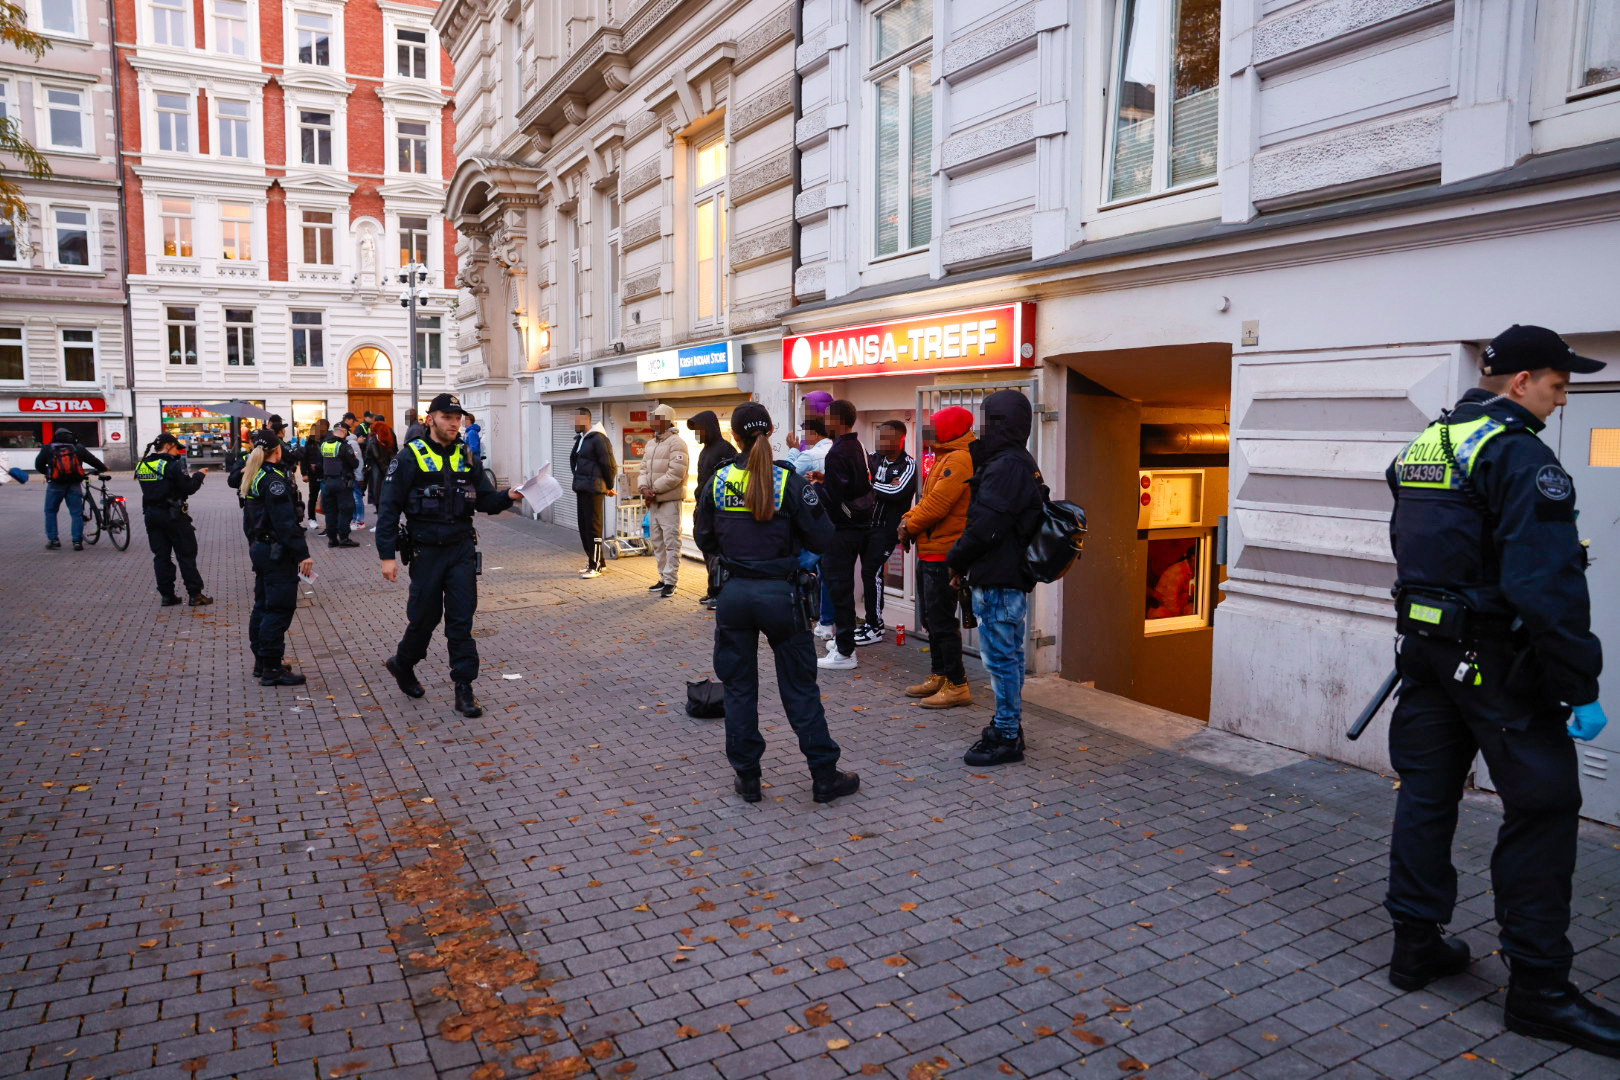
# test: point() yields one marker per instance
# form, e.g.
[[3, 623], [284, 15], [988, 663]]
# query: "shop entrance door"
[[371, 378]]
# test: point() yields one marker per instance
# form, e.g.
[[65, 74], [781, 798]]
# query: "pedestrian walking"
[[845, 484], [165, 486], [989, 557], [1495, 647], [437, 485], [591, 464], [338, 462], [663, 488], [715, 453], [65, 465], [934, 525], [756, 516], [473, 436], [273, 519], [310, 464], [894, 488]]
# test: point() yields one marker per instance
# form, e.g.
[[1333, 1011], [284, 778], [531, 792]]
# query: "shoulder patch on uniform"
[[1554, 483], [393, 466], [810, 496], [277, 488]]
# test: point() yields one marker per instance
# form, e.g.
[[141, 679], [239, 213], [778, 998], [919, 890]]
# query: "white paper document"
[[540, 490]]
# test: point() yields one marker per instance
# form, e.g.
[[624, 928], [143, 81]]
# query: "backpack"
[[1058, 539], [65, 466]]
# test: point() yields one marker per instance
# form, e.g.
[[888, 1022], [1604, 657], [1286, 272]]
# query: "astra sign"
[[992, 337], [62, 405]]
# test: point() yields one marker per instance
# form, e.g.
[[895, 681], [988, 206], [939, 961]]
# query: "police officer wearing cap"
[[1495, 654], [755, 516], [438, 485], [165, 487], [273, 519]]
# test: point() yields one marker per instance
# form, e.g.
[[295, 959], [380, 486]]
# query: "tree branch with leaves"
[[15, 32]]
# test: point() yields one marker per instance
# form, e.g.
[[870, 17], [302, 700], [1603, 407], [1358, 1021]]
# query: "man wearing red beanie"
[[935, 523]]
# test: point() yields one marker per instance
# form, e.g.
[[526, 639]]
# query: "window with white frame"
[[79, 356], [1163, 117], [61, 17], [709, 231], [10, 247], [239, 337], [314, 38], [175, 215], [13, 367], [411, 53], [181, 324], [233, 128], [231, 27], [576, 295], [67, 119], [7, 109], [413, 241], [315, 137], [318, 238], [413, 146], [612, 299], [308, 332], [174, 122], [236, 231], [429, 342], [169, 19], [1598, 52], [900, 73], [70, 229]]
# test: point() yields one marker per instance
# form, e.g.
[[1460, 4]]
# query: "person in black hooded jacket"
[[989, 556], [715, 453]]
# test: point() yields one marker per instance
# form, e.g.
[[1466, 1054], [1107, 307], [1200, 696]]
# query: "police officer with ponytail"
[[273, 519], [1496, 656], [755, 515]]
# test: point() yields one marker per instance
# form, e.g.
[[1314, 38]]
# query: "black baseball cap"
[[266, 438], [1532, 348], [446, 403], [751, 418]]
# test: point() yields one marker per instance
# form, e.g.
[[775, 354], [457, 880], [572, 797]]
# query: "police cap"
[[1532, 348], [751, 418], [266, 439], [446, 403]]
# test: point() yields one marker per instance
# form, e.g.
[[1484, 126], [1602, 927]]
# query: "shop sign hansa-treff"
[[973, 340]]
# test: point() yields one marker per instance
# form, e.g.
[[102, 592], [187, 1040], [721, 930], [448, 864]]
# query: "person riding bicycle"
[[165, 487], [65, 464]]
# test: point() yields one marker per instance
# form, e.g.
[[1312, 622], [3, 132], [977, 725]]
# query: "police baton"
[[1373, 706]]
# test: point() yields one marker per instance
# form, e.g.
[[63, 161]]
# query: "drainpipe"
[[798, 108], [123, 226]]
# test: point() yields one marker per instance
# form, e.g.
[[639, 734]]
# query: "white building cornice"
[[314, 79], [198, 68]]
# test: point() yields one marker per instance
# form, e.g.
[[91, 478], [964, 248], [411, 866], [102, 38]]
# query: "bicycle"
[[109, 515]]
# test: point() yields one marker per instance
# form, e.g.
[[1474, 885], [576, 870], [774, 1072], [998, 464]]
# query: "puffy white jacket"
[[664, 467]]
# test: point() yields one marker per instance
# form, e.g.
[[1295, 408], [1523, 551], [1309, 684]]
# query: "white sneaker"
[[836, 660], [868, 635], [358, 526], [825, 630], [312, 523], [591, 574]]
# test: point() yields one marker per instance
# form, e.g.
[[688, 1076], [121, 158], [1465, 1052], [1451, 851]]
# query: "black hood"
[[708, 423], [64, 435], [1008, 418]]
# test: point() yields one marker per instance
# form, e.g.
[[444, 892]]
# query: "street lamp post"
[[414, 277]]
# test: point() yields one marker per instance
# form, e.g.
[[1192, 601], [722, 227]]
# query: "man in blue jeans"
[[65, 464], [989, 556]]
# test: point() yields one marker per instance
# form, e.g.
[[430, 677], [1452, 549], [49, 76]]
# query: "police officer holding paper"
[[438, 485], [273, 519], [1495, 655], [755, 516]]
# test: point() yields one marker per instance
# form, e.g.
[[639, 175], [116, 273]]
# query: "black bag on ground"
[[705, 700], [1058, 540]]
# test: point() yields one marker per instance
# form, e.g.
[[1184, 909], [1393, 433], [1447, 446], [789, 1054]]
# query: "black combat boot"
[[171, 600], [834, 785], [747, 785], [405, 677], [1543, 1004], [1423, 954], [466, 704]]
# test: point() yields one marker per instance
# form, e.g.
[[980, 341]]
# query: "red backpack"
[[65, 466]]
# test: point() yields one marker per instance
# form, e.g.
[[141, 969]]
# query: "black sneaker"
[[281, 677], [835, 786], [78, 545], [666, 592], [171, 601], [405, 677], [747, 785], [53, 545], [200, 599], [994, 748], [466, 704], [657, 586], [346, 542]]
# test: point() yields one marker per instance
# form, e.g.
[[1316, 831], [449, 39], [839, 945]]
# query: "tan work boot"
[[928, 687], [949, 696]]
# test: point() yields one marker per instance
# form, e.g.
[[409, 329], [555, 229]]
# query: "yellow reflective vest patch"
[[1424, 464], [730, 488]]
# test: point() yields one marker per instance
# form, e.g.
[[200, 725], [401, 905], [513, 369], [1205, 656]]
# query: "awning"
[[237, 408]]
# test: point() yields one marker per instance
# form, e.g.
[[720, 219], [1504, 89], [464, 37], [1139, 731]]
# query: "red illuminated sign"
[[62, 405], [992, 337]]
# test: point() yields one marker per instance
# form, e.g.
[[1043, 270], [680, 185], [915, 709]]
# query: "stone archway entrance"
[[371, 382]]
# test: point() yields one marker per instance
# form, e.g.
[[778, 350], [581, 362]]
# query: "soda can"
[[900, 634]]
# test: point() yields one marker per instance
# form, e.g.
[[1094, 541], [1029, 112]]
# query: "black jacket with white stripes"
[[894, 483]]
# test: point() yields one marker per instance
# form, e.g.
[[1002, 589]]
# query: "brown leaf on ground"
[[908, 907], [194, 1065], [1005, 1069], [456, 1028], [870, 1069], [600, 1050], [896, 961], [838, 1044], [739, 921], [1044, 1030], [565, 1068], [686, 1031], [927, 1070], [625, 1068], [818, 1015], [1130, 1064], [489, 1070], [1014, 961], [837, 963], [1088, 1037]]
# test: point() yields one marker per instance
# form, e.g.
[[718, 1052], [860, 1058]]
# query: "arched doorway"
[[371, 381]]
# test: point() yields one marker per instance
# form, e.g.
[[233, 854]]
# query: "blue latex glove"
[[1588, 722]]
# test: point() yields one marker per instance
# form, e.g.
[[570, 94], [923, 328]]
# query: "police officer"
[[337, 484], [1495, 650], [755, 516], [273, 519], [438, 485], [165, 487]]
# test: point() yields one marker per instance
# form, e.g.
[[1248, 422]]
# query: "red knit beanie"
[[952, 423]]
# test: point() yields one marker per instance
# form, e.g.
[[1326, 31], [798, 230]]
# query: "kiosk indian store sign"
[[992, 337]]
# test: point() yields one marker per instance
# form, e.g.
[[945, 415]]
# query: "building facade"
[[61, 269], [283, 159], [625, 203]]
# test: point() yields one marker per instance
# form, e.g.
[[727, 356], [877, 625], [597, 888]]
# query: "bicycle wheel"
[[92, 516], [118, 525]]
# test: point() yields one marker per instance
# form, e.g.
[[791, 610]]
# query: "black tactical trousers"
[[275, 599], [747, 609], [337, 503], [443, 584], [1438, 725], [937, 604], [173, 541], [588, 507]]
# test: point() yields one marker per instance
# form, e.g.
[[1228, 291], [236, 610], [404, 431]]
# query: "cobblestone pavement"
[[200, 877]]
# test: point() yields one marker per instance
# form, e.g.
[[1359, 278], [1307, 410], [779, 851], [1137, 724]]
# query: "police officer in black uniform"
[[337, 484], [755, 516], [1495, 652], [438, 484], [165, 487], [273, 519]]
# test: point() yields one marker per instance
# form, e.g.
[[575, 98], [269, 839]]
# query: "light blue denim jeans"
[[54, 494], [1003, 616]]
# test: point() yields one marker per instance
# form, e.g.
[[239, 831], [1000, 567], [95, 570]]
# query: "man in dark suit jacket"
[[592, 465]]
